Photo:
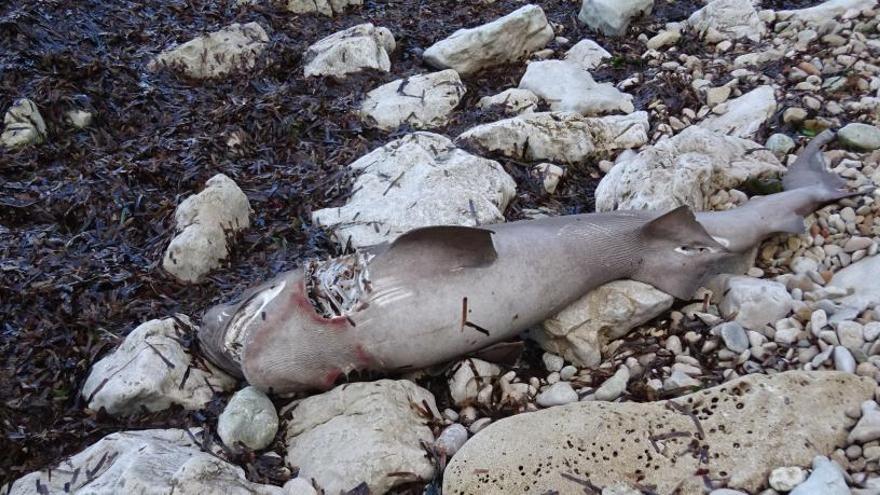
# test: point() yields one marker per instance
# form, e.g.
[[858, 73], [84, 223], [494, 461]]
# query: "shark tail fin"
[[809, 170]]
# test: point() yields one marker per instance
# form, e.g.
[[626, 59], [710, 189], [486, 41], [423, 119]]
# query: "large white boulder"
[[142, 462], [686, 169], [349, 51], [580, 331], [203, 222], [418, 180], [365, 432], [423, 101], [829, 9], [234, 48], [738, 431], [744, 115], [567, 87], [754, 302], [723, 20], [612, 17], [586, 54], [151, 370], [509, 38], [565, 137], [325, 7], [23, 125]]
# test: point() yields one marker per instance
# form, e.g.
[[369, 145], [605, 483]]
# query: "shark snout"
[[212, 338]]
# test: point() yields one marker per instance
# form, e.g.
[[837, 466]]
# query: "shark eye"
[[694, 250]]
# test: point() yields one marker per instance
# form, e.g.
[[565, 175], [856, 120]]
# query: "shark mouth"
[[233, 340], [336, 287]]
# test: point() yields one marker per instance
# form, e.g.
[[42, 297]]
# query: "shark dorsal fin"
[[449, 247]]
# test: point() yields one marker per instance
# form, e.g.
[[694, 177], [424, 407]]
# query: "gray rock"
[[299, 486], [557, 394], [559, 137], [860, 279], [868, 427], [678, 379], [451, 439], [686, 169], [613, 387], [780, 144], [569, 88], [586, 54], [232, 49], [431, 183], [249, 419], [23, 125], [422, 101], [346, 52], [203, 221], [612, 17], [142, 462], [723, 20], [746, 114], [843, 360], [552, 361], [503, 40], [824, 11], [781, 420], [754, 302], [734, 336], [363, 433], [860, 136], [147, 371], [827, 478], [580, 331]]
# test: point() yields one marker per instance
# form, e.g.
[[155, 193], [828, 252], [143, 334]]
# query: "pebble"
[[860, 136], [826, 479], [553, 362], [679, 379], [479, 424], [868, 427], [249, 419], [794, 115], [567, 372], [849, 333], [734, 336], [613, 387], [784, 479], [843, 360], [780, 144], [557, 394], [451, 439]]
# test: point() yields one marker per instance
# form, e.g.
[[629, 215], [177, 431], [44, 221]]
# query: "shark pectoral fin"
[[507, 353], [680, 225], [445, 248]]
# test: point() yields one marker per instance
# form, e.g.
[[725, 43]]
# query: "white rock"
[[552, 362], [723, 20], [863, 137], [142, 462], [686, 169], [513, 101], [557, 394], [326, 7], [451, 439], [431, 183], [503, 40], [843, 360], [754, 302], [679, 379], [249, 419], [469, 377], [550, 175], [299, 486], [868, 427], [612, 17], [784, 479], [824, 11], [580, 331], [827, 478], [147, 371], [734, 336], [613, 387], [422, 101], [79, 119], [586, 54], [781, 420], [560, 137], [745, 114], [23, 125], [362, 432], [357, 48], [860, 279], [203, 221], [234, 48], [569, 88], [663, 38]]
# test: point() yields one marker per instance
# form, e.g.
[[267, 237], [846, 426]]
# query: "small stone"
[[734, 336], [613, 387], [24, 125], [827, 478], [679, 379], [249, 419], [860, 136], [557, 394], [663, 38], [550, 174], [794, 115], [849, 333], [552, 362], [469, 378], [714, 96], [784, 479], [780, 144], [451, 439], [868, 427], [567, 373], [856, 243], [843, 360], [79, 118], [479, 424]]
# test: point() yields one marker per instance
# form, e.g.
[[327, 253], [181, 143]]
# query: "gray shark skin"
[[439, 293]]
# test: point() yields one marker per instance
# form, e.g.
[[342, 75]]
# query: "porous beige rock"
[[349, 51], [503, 40], [363, 432], [234, 48], [561, 137], [580, 331], [738, 431]]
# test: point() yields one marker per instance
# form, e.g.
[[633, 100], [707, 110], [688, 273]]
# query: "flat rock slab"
[[736, 433], [507, 39], [686, 169], [565, 137], [423, 101], [349, 51], [366, 432], [744, 115], [151, 370], [142, 462], [418, 180], [824, 11], [587, 54], [567, 87], [513, 101], [234, 48]]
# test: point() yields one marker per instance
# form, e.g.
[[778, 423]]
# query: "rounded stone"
[[558, 394], [861, 136], [780, 144], [249, 419], [784, 479]]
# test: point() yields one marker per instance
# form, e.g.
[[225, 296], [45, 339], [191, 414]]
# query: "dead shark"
[[439, 293]]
